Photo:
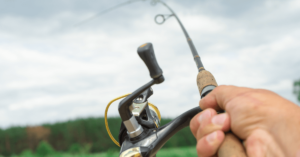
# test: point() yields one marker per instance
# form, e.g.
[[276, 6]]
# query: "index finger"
[[220, 96]]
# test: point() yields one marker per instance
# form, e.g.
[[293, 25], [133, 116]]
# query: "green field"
[[169, 152]]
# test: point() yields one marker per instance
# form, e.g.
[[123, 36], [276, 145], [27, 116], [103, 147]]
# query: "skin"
[[268, 124]]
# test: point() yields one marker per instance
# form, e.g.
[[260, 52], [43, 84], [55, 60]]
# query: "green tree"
[[297, 89], [44, 149]]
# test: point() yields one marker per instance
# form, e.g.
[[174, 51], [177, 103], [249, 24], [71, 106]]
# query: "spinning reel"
[[140, 134]]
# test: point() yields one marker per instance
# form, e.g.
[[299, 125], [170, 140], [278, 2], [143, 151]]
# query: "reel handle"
[[146, 53], [231, 146]]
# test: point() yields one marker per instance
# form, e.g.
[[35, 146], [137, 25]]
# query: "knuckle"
[[247, 100], [212, 111], [221, 87], [257, 136], [207, 129]]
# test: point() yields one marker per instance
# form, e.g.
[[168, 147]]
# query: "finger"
[[195, 122], [221, 95], [261, 143], [205, 121], [209, 144], [223, 120], [216, 122]]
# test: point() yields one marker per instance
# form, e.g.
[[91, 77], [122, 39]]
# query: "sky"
[[54, 67]]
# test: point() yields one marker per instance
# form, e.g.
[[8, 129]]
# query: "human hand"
[[268, 123]]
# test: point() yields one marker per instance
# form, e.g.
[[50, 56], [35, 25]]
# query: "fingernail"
[[210, 138], [219, 119], [205, 115]]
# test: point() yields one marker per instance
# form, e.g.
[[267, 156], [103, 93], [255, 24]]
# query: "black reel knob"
[[146, 53]]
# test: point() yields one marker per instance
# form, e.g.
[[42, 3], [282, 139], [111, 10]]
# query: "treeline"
[[297, 89], [66, 136]]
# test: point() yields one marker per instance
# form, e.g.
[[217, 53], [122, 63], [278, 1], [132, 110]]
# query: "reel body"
[[140, 133], [145, 113]]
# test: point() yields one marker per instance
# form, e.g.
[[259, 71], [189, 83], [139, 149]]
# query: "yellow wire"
[[105, 117], [155, 124], [156, 110]]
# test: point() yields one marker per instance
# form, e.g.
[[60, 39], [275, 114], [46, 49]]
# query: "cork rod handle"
[[231, 146], [205, 78]]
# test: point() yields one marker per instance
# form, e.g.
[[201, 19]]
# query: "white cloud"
[[54, 71]]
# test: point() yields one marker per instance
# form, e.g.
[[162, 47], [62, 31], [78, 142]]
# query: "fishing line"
[[106, 11]]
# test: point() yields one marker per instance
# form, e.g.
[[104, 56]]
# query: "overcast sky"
[[51, 70]]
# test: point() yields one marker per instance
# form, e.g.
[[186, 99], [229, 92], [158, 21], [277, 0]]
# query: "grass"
[[169, 152], [178, 152]]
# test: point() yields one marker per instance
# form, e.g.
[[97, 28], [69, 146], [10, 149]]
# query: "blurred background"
[[61, 62]]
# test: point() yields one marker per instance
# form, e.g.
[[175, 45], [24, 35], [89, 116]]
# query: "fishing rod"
[[140, 134], [189, 40], [205, 80]]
